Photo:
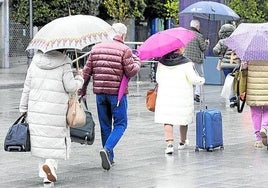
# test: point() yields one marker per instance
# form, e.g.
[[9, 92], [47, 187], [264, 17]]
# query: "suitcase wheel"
[[221, 148], [197, 149]]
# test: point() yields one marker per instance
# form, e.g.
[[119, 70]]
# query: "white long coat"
[[175, 100], [44, 98]]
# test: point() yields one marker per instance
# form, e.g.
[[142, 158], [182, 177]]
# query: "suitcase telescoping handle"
[[202, 97]]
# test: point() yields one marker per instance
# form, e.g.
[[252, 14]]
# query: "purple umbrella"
[[122, 88], [250, 41]]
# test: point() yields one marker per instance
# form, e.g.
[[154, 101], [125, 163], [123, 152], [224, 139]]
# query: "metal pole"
[[6, 34], [30, 53], [31, 19]]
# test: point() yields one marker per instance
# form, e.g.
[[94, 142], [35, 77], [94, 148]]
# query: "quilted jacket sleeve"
[[131, 64], [71, 83], [86, 76]]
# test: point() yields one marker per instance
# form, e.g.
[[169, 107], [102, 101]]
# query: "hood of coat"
[[173, 59], [50, 60]]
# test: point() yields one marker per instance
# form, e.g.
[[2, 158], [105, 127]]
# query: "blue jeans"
[[226, 72], [113, 120]]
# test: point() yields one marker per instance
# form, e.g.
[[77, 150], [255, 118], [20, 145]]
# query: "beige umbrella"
[[71, 32]]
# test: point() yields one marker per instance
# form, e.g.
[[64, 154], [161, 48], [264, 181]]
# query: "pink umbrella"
[[125, 80], [122, 88], [164, 42]]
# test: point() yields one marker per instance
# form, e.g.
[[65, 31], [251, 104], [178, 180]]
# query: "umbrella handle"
[[80, 57], [208, 25], [77, 64]]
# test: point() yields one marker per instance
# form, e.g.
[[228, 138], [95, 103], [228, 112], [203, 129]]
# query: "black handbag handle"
[[21, 118], [84, 101], [240, 107]]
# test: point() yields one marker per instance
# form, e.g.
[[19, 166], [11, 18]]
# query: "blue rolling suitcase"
[[209, 130]]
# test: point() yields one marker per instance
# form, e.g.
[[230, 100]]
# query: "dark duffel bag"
[[18, 136], [84, 134]]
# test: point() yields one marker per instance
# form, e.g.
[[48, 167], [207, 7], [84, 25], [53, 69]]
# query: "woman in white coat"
[[174, 104], [45, 97]]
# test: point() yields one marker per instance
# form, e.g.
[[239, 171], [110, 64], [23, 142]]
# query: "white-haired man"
[[107, 63], [195, 51]]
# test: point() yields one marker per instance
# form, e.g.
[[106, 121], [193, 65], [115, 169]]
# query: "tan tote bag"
[[76, 115]]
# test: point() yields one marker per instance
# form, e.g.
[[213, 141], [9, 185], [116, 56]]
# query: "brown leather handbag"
[[151, 99]]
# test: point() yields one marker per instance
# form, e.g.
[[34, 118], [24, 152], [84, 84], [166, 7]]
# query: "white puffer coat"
[[44, 98], [175, 100]]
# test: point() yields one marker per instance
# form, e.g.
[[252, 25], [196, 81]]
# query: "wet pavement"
[[139, 157]]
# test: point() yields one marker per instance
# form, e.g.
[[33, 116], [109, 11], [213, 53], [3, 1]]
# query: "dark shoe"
[[232, 104], [105, 161], [197, 98]]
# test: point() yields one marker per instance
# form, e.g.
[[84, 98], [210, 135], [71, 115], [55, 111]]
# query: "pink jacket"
[[107, 63]]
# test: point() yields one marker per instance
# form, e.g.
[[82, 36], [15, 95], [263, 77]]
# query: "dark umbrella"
[[210, 10]]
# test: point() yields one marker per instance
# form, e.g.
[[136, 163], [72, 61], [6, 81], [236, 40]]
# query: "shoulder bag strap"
[[240, 106]]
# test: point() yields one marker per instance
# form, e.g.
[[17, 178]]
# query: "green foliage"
[[154, 9], [162, 9], [45, 11], [172, 9], [120, 10], [254, 11]]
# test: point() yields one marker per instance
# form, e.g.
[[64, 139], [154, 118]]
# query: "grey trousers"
[[200, 70]]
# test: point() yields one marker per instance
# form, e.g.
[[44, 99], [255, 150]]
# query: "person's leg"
[[256, 116], [264, 125], [119, 114], [183, 133], [265, 118], [168, 130], [183, 137], [105, 120], [200, 70], [105, 117]]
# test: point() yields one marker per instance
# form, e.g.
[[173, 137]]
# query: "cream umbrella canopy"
[[71, 32]]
